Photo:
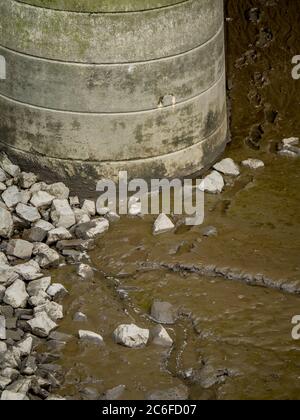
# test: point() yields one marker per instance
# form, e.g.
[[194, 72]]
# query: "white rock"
[[41, 325], [253, 163], [39, 299], [6, 223], [37, 286], [62, 214], [45, 256], [91, 337], [16, 295], [12, 196], [59, 190], [28, 213], [102, 211], [160, 337], [29, 271], [42, 199], [3, 187], [89, 207], [52, 309], [46, 226], [92, 229], [131, 336], [2, 328], [292, 141], [9, 182], [288, 153], [163, 224], [25, 196], [25, 346], [8, 166], [213, 183], [227, 167], [7, 275], [81, 216], [13, 396], [3, 258], [19, 248], [2, 176], [3, 347], [27, 179], [85, 271], [102, 225], [58, 234], [39, 186], [57, 291]]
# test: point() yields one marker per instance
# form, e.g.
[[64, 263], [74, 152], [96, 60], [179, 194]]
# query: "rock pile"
[[41, 226]]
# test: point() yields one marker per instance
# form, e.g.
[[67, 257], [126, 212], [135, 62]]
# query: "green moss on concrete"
[[102, 5]]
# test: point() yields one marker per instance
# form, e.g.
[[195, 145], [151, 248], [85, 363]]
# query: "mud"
[[232, 338]]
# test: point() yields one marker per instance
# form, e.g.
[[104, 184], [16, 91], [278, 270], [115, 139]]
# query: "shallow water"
[[232, 340]]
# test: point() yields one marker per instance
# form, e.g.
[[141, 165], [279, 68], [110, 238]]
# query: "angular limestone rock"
[[91, 337], [19, 248], [213, 183], [131, 336], [42, 325], [227, 167], [42, 199], [6, 223], [163, 224], [253, 163], [16, 295], [62, 214], [28, 213], [45, 256], [58, 234], [160, 337]]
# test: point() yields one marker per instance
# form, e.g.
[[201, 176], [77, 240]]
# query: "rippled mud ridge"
[[214, 303]]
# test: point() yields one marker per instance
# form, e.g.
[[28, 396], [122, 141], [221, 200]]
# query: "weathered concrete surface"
[[112, 136], [109, 38], [110, 88], [195, 158], [87, 94]]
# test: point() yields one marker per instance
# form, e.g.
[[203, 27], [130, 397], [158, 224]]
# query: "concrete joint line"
[[135, 160], [59, 111], [105, 13], [133, 63]]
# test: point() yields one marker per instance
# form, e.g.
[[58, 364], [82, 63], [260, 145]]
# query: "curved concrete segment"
[[109, 38], [112, 88], [135, 85], [108, 137], [83, 175], [106, 6]]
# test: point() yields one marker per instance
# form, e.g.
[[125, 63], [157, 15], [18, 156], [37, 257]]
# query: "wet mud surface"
[[237, 292]]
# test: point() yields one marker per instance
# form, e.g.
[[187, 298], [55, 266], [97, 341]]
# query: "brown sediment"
[[232, 341]]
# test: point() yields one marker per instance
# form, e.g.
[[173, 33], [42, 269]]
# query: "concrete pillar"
[[137, 85]]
